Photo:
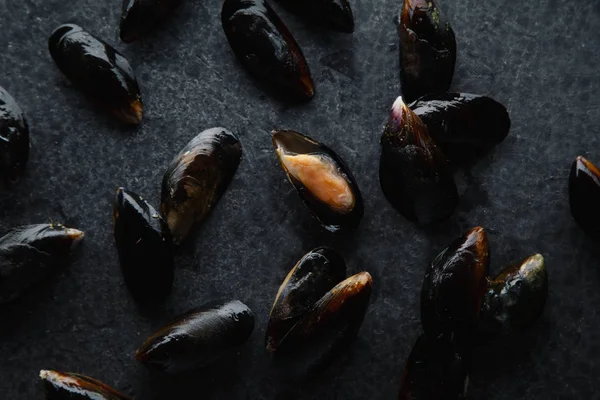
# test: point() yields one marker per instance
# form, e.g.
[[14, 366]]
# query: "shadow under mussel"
[[139, 17], [14, 139], [70, 386], [333, 14]]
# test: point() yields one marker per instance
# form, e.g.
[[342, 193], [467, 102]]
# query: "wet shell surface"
[[14, 139], [139, 17], [584, 195], [334, 14], [70, 386]]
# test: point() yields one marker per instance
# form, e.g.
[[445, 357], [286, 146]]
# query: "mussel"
[[414, 174], [427, 49], [321, 178], [316, 314], [139, 17], [454, 287], [70, 386], [144, 246], [14, 139], [197, 178], [436, 369], [463, 125], [263, 44], [515, 298], [29, 253], [97, 69], [584, 195], [198, 338], [334, 14]]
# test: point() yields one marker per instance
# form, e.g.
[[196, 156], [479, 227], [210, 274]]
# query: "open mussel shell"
[[30, 253], [584, 195], [515, 298], [463, 125], [197, 178], [139, 17], [144, 246], [436, 369], [414, 174], [327, 329], [98, 70], [321, 178], [70, 386], [454, 287], [198, 338], [427, 49], [317, 272], [334, 14], [14, 139], [263, 44]]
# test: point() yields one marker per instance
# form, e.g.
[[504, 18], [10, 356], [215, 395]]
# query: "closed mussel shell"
[[70, 386], [312, 277], [464, 125], [454, 287], [198, 337], [584, 195], [436, 369], [97, 69], [144, 246], [263, 44], [197, 178], [334, 14], [139, 17], [321, 178], [427, 49], [413, 173], [14, 139], [29, 253], [515, 298]]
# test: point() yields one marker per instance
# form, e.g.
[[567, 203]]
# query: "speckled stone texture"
[[540, 58]]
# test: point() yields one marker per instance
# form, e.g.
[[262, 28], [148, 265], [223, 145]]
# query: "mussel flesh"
[[14, 139], [454, 287], [139, 17], [69, 386], [413, 172], [144, 246], [197, 178], [198, 338], [464, 126], [29, 253], [584, 195], [515, 298], [334, 14], [436, 369], [321, 178], [97, 69], [427, 49], [263, 44]]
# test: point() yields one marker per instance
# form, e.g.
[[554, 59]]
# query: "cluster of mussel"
[[462, 307], [438, 129]]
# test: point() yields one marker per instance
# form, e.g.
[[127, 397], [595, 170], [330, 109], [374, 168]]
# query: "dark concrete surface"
[[540, 58]]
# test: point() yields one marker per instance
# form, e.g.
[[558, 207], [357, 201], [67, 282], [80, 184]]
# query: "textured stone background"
[[540, 58]]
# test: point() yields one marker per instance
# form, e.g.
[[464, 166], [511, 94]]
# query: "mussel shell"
[[414, 174], [70, 386], [463, 125], [427, 49], [317, 272], [144, 246], [139, 17], [327, 329], [197, 178], [97, 69], [584, 195], [436, 369], [515, 298], [14, 139], [334, 14], [454, 287], [29, 253], [263, 44], [332, 217], [198, 337]]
